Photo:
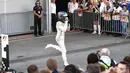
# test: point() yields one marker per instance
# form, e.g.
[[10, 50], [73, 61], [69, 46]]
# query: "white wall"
[[20, 18], [14, 6]]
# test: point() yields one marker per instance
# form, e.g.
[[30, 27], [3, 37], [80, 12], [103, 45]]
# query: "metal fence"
[[109, 24]]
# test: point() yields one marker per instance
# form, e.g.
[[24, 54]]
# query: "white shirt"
[[69, 5], [73, 7], [103, 7], [118, 10], [53, 8], [106, 60], [124, 13]]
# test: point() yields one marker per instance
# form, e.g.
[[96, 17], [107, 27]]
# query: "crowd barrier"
[[87, 20]]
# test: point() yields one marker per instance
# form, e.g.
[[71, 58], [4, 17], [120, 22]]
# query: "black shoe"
[[41, 34], [35, 35]]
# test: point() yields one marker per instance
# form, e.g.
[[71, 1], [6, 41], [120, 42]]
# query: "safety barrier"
[[85, 21], [108, 23]]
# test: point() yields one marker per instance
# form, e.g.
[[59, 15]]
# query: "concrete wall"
[[13, 6], [19, 21]]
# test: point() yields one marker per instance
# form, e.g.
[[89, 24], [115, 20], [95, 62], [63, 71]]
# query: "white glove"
[[66, 19]]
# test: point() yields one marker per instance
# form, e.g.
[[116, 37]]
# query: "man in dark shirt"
[[38, 12]]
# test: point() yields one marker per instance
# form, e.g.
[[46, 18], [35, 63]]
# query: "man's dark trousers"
[[71, 17], [53, 21], [37, 24]]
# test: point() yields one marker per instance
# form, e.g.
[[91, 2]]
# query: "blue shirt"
[[55, 71]]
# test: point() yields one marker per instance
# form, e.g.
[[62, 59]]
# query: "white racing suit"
[[61, 29]]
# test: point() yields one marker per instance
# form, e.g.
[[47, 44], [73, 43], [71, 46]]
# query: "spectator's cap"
[[32, 69], [124, 5], [71, 68], [105, 51], [92, 58]]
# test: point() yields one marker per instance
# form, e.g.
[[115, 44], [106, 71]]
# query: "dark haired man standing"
[[38, 12]]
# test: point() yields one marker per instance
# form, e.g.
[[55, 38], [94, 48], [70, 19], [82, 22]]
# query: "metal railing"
[[108, 24]]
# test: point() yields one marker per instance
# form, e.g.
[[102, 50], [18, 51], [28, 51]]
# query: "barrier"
[[83, 22], [108, 23], [5, 55], [5, 52]]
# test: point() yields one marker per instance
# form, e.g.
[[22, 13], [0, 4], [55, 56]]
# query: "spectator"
[[73, 6], [123, 67], [93, 68], [102, 68], [116, 18], [53, 15], [105, 59], [32, 69], [69, 5], [38, 12], [106, 9], [80, 10], [124, 20], [52, 65], [96, 24], [92, 58], [79, 1], [99, 4], [66, 72], [44, 71], [123, 2], [112, 70], [80, 17], [72, 68], [107, 15], [127, 59], [89, 6], [84, 4]]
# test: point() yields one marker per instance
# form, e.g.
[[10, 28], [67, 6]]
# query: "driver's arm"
[[63, 28]]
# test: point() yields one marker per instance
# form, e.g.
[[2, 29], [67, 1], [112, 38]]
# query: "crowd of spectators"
[[114, 13], [99, 62]]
